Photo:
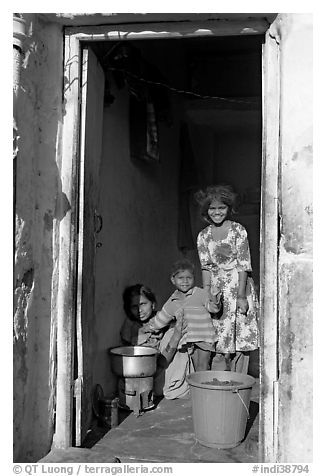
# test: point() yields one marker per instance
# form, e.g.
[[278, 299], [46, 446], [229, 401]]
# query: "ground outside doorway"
[[163, 435]]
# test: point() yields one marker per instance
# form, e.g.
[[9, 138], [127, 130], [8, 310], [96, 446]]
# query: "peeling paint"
[[309, 209], [27, 280], [307, 149], [22, 298], [290, 244]]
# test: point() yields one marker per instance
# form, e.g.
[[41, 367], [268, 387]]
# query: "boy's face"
[[183, 280]]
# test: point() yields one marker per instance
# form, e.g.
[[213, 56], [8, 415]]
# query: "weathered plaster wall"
[[120, 18], [138, 204], [37, 184], [295, 259]]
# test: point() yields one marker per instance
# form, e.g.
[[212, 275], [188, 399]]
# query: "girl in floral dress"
[[224, 255]]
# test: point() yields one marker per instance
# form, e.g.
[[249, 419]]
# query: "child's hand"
[[215, 302], [242, 305], [214, 307], [215, 295], [145, 328], [142, 337]]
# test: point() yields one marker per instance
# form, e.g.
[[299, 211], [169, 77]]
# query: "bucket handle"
[[237, 392]]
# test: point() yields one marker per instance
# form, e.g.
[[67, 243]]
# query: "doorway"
[[145, 203], [206, 98]]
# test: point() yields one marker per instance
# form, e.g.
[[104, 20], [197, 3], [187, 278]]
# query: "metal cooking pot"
[[133, 361]]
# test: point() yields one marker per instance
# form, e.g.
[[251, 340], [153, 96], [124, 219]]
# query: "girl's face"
[[217, 212], [141, 307]]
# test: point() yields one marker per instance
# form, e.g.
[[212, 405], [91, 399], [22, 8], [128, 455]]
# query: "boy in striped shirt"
[[195, 305]]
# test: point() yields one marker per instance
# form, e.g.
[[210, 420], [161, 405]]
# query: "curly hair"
[[223, 193], [182, 265], [136, 290]]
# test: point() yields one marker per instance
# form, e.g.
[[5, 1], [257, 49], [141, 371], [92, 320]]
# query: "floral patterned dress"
[[224, 259]]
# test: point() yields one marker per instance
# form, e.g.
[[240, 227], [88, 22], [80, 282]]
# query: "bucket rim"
[[250, 381], [124, 351]]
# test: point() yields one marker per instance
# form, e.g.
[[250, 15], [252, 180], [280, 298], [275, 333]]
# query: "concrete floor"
[[164, 434]]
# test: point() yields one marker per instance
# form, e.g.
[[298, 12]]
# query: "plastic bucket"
[[220, 411]]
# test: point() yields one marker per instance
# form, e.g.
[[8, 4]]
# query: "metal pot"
[[133, 361]]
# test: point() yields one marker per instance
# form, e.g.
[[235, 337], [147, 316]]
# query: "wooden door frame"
[[269, 243], [67, 233]]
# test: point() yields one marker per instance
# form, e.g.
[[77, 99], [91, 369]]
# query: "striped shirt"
[[195, 305]]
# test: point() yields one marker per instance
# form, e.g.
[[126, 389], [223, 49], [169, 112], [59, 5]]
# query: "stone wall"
[[295, 252]]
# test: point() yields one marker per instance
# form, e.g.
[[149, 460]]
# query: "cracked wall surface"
[[37, 188], [296, 240]]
